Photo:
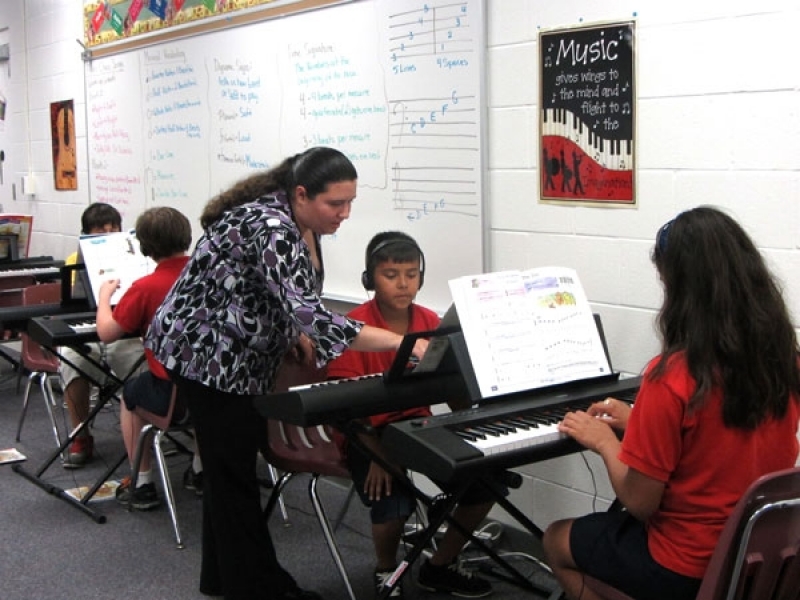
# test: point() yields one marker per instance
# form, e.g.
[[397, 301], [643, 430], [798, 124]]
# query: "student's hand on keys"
[[612, 411]]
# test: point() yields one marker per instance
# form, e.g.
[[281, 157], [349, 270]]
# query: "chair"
[[757, 556], [42, 364], [293, 449], [158, 427], [10, 296]]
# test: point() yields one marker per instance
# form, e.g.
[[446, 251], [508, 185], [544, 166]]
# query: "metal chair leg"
[[276, 496], [157, 435], [50, 402], [25, 405], [167, 485], [47, 391], [137, 458], [328, 533], [273, 474]]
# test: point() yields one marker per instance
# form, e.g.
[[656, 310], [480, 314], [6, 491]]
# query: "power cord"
[[594, 482]]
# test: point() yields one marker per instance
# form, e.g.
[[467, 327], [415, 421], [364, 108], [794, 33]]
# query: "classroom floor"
[[52, 550]]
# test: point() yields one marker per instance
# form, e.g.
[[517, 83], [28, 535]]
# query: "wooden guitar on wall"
[[64, 158]]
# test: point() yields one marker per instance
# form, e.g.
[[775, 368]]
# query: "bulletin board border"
[[155, 30]]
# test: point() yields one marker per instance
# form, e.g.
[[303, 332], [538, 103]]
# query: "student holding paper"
[[164, 235], [121, 356], [395, 270], [249, 294], [726, 384]]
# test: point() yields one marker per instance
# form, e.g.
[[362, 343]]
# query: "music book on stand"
[[528, 329]]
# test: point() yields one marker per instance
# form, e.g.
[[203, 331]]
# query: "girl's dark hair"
[[162, 232], [314, 169], [99, 214], [724, 309]]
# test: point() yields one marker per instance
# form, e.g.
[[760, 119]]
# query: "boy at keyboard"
[[121, 356], [395, 270], [164, 235]]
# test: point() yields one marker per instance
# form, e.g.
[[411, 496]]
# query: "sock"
[[197, 464], [144, 478]]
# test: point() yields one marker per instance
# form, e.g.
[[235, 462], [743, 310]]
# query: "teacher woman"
[[250, 293]]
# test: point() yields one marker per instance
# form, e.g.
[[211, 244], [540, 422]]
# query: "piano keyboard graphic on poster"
[[587, 111]]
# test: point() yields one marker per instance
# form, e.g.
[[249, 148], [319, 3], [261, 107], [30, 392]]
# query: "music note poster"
[[62, 128], [587, 115]]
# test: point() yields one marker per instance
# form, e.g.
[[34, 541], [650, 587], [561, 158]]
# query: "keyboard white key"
[[499, 442], [34, 272], [86, 327]]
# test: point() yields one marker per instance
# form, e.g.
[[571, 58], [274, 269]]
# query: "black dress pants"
[[238, 557]]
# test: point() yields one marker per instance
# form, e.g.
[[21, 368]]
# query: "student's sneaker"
[[452, 579], [144, 497], [193, 481], [380, 579], [79, 452]]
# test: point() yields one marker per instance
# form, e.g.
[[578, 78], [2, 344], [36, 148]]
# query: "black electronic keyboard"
[[71, 329], [503, 433], [342, 400], [16, 318]]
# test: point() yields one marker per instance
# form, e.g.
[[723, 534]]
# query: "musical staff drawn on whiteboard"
[[431, 30], [434, 134]]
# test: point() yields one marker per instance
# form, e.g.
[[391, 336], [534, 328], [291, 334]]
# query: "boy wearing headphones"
[[395, 270]]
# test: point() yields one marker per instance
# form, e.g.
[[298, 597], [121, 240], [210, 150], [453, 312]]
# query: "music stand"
[[446, 354], [75, 292]]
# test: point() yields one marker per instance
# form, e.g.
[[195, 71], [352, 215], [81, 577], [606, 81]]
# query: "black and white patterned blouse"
[[249, 288]]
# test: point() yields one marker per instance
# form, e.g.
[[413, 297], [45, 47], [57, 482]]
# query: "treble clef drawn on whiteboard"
[[399, 112]]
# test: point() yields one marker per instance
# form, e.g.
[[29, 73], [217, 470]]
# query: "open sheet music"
[[114, 256], [528, 329]]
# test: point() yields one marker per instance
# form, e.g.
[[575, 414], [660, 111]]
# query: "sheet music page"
[[114, 256], [528, 329]]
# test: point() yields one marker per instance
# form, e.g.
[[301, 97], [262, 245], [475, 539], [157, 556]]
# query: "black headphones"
[[368, 275]]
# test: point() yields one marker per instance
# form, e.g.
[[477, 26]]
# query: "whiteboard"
[[396, 85]]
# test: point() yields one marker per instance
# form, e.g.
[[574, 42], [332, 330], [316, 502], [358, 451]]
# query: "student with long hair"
[[717, 409]]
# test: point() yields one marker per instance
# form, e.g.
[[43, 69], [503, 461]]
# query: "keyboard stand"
[[107, 392], [443, 514]]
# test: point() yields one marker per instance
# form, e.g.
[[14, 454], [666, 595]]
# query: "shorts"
[[402, 503], [153, 395], [121, 356], [612, 547]]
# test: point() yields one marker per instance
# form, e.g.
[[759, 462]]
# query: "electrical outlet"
[[28, 185]]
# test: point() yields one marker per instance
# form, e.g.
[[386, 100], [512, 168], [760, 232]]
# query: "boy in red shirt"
[[164, 235], [395, 270]]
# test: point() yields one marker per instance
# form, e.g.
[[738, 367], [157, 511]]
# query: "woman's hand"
[[612, 411], [592, 432], [303, 351]]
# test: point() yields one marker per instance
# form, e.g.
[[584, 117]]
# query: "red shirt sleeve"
[[652, 443], [129, 313]]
